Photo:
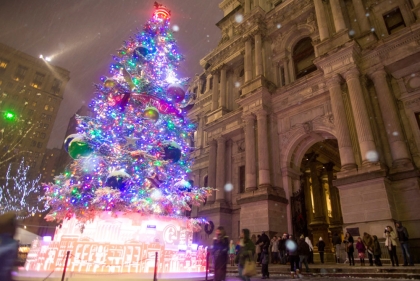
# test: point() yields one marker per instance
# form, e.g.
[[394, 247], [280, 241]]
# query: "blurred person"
[[368, 241], [246, 252], [311, 248], [391, 244], [349, 240], [220, 254], [336, 241], [258, 250], [321, 248], [292, 253], [264, 264], [361, 250], [8, 246], [232, 253], [282, 249], [274, 247], [303, 252], [377, 250], [405, 246]]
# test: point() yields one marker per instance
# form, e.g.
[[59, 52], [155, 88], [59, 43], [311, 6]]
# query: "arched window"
[[303, 57]]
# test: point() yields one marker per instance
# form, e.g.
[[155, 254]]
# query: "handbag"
[[250, 268]]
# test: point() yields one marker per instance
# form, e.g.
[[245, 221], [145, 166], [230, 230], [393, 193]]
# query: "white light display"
[[20, 194]]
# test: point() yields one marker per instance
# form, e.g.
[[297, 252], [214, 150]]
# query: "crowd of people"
[[299, 252]]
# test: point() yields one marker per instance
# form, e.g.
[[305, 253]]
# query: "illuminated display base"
[[122, 246]]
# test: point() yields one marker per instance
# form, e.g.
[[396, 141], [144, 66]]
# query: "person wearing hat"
[[321, 248]]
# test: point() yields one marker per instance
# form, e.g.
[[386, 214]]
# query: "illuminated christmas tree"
[[133, 155], [20, 194]]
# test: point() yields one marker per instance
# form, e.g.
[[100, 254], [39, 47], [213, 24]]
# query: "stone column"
[[319, 215], [208, 83], [223, 87], [250, 175], [215, 96], [341, 125], [286, 72], [416, 9], [212, 169], [361, 117], [291, 67], [248, 61], [280, 71], [334, 196], [220, 172], [258, 55], [321, 19], [337, 16], [263, 160], [247, 7], [399, 150], [360, 11]]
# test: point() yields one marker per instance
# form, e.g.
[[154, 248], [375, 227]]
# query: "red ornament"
[[162, 106], [175, 92]]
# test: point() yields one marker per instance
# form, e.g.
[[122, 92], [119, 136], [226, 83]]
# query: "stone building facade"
[[307, 118], [33, 89]]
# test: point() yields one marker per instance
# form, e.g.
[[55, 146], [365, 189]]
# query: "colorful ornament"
[[161, 105], [68, 140], [175, 93], [79, 148], [117, 179], [109, 83], [183, 185], [171, 151], [151, 113]]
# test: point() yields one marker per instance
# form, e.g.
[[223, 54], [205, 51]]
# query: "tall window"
[[20, 73], [56, 85], [241, 179], [38, 79], [203, 86], [303, 56], [394, 21]]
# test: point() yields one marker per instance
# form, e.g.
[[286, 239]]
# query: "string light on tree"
[[133, 154], [20, 194]]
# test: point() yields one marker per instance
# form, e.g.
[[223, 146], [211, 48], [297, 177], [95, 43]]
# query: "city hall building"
[[308, 119]]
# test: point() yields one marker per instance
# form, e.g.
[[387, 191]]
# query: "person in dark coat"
[[264, 264], [220, 254], [321, 248], [349, 241], [303, 252], [291, 248], [405, 247], [282, 249], [377, 250]]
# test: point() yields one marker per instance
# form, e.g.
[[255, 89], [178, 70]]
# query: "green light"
[[9, 115]]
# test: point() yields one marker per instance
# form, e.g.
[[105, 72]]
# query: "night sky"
[[81, 35]]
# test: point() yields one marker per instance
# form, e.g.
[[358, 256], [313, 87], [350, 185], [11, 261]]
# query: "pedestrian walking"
[[391, 244], [291, 247], [361, 250], [321, 248], [336, 241], [368, 241], [246, 252], [405, 247], [303, 252], [349, 241], [377, 251], [220, 254], [311, 249]]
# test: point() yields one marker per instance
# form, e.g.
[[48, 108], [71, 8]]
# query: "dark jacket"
[[220, 251], [247, 250], [376, 246], [263, 241], [402, 233], [336, 240], [321, 246], [349, 244], [291, 247], [303, 248]]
